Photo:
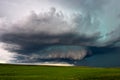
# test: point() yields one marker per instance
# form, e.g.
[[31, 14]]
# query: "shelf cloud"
[[61, 30]]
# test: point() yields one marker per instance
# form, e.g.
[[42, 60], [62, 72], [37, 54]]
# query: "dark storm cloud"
[[47, 29], [40, 32], [91, 27], [103, 57], [56, 53], [38, 41]]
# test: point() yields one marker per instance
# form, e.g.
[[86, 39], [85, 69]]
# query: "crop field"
[[31, 72]]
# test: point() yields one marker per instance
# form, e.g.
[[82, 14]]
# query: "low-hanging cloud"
[[46, 35], [49, 28], [55, 53], [38, 33]]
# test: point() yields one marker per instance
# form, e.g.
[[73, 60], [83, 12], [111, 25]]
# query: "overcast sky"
[[54, 30]]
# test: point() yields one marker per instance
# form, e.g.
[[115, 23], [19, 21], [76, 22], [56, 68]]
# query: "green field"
[[17, 72]]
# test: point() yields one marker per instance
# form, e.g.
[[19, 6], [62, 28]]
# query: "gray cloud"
[[90, 23], [55, 53], [49, 28], [84, 4], [40, 32]]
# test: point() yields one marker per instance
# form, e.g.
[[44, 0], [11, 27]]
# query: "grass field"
[[20, 72]]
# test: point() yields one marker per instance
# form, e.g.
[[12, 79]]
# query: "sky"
[[79, 32]]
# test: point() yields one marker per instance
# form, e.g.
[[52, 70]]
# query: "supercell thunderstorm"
[[76, 31]]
